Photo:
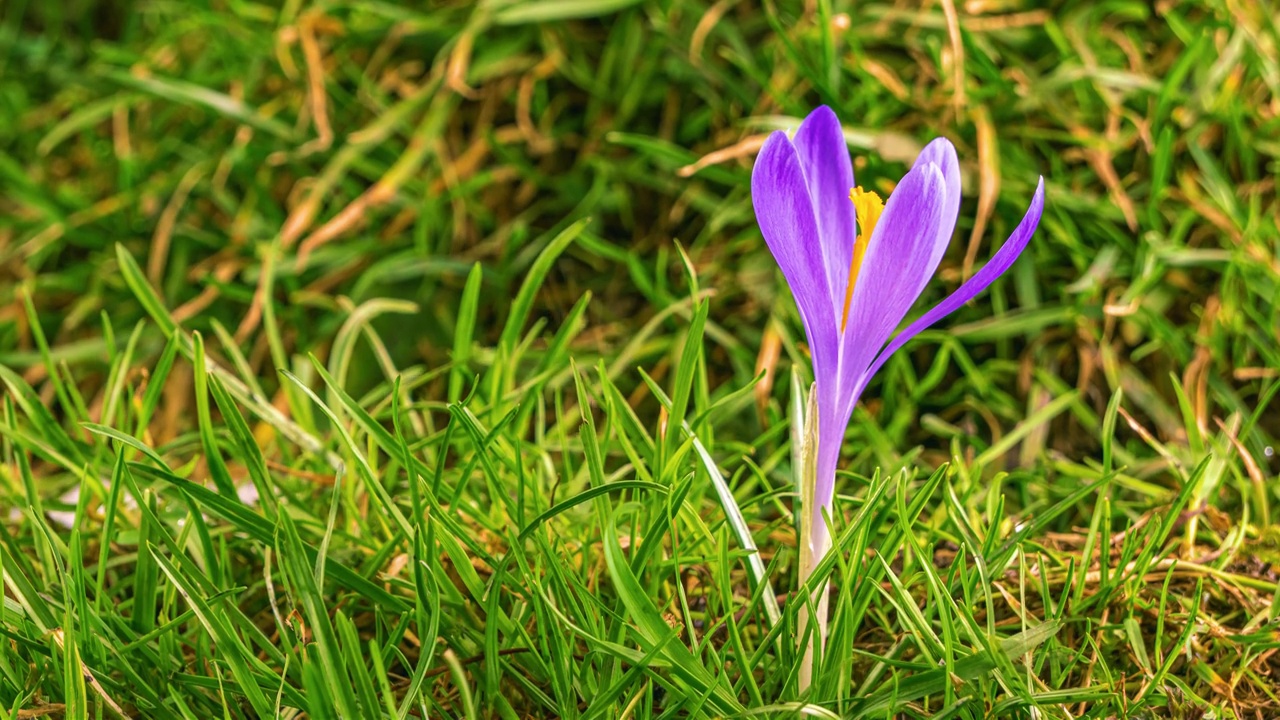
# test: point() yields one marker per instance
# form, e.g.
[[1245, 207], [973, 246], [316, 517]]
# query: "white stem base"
[[819, 638]]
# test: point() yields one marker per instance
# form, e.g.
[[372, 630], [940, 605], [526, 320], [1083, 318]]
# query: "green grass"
[[370, 361]]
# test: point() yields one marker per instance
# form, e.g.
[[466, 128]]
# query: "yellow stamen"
[[868, 207]]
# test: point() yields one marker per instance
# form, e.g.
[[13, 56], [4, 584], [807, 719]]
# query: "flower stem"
[[813, 541]]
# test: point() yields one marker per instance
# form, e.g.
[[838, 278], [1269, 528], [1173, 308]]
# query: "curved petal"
[[790, 228], [900, 260], [824, 157], [999, 263], [942, 153]]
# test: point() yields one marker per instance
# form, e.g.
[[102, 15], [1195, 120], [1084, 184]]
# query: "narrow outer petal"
[[790, 228], [900, 260], [999, 263], [824, 157]]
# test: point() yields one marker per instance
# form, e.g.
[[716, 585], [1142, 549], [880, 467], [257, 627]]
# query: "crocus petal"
[[942, 153], [790, 228], [832, 423], [901, 257], [829, 176], [999, 263]]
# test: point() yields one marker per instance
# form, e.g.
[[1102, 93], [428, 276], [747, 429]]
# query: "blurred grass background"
[[473, 196]]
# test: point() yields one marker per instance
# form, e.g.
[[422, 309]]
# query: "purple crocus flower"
[[856, 265]]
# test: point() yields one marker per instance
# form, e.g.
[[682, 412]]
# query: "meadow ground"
[[367, 360]]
